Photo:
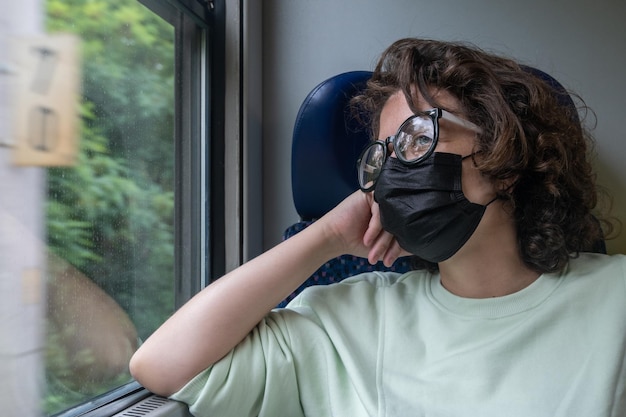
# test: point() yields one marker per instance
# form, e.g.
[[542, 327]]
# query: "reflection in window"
[[109, 218]]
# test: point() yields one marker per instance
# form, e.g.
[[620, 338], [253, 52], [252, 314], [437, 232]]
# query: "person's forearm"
[[215, 320]]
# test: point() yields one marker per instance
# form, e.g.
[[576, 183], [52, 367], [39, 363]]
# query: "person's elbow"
[[150, 372]]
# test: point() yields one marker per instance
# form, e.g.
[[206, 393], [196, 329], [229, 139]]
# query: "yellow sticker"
[[46, 100]]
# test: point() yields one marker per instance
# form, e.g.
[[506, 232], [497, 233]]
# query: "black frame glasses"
[[414, 141]]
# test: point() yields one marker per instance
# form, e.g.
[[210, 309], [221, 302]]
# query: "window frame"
[[199, 141]]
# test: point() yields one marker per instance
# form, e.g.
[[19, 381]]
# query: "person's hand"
[[355, 226]]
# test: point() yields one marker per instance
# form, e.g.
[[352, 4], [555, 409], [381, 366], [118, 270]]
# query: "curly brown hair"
[[531, 138]]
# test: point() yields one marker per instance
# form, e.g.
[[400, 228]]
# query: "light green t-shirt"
[[384, 344]]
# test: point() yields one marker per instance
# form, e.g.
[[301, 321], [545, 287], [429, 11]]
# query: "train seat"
[[326, 143]]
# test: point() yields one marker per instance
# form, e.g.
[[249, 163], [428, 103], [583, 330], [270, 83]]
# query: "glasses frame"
[[434, 114]]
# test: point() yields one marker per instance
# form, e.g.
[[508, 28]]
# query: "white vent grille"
[[155, 406]]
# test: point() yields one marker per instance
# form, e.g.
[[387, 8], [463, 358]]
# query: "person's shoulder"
[[585, 262], [377, 280], [358, 302], [598, 266], [382, 278], [358, 288]]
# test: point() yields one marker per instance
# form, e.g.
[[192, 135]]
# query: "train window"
[[123, 224], [110, 217]]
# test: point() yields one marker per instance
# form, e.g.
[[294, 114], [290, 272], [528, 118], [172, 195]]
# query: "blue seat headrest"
[[326, 144], [560, 92]]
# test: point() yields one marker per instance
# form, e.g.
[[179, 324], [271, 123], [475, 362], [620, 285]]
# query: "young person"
[[481, 172]]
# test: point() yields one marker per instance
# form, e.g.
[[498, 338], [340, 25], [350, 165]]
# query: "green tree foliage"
[[111, 215]]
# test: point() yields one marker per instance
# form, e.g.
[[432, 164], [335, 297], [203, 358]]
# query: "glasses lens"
[[370, 164], [415, 138]]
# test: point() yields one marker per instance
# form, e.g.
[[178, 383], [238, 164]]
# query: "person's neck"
[[487, 278], [489, 265]]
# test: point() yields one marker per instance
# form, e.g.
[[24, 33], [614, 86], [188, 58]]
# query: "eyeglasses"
[[414, 141]]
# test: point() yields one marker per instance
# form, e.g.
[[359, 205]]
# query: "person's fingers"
[[393, 253], [374, 228], [380, 247]]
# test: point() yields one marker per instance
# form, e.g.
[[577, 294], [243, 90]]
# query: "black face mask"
[[423, 206]]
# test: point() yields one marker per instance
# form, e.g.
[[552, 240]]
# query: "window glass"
[[109, 219]]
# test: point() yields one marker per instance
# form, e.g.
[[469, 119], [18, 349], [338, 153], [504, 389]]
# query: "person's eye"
[[422, 142], [416, 147]]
